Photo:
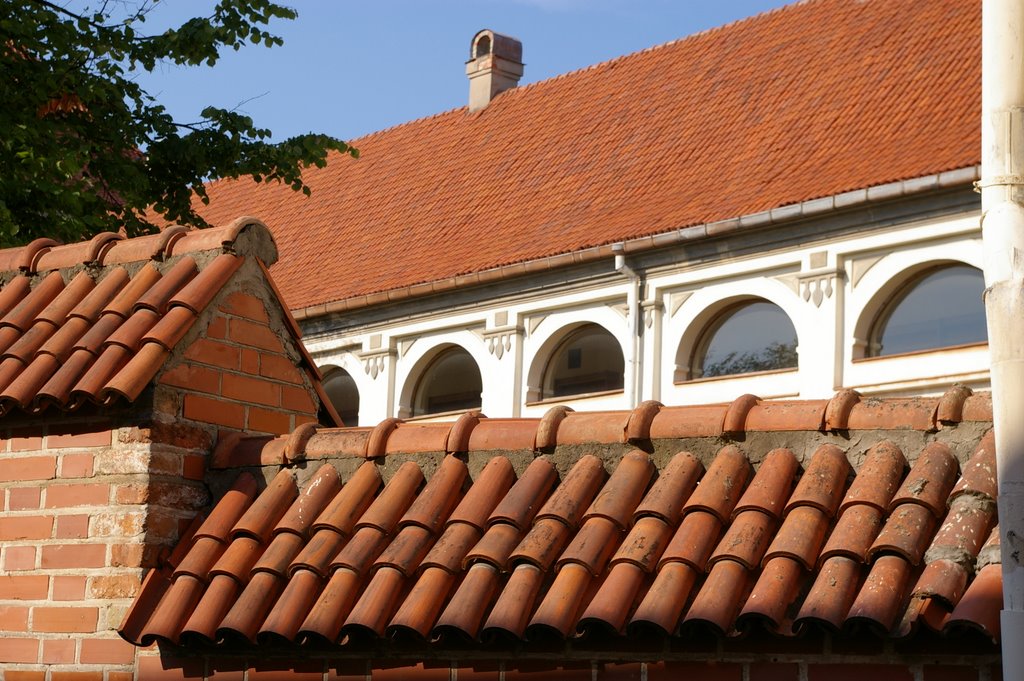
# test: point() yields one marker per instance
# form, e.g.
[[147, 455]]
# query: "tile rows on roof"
[[82, 324], [589, 555], [622, 150], [473, 431]]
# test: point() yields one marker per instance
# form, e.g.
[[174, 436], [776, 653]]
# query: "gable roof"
[[93, 323], [811, 100], [778, 517]]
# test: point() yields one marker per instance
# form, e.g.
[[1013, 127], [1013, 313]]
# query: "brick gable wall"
[[93, 500]]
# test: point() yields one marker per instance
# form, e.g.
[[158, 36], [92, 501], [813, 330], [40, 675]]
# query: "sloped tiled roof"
[[94, 322], [845, 515], [810, 100]]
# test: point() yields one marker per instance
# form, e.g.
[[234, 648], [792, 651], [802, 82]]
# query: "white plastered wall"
[[826, 288]]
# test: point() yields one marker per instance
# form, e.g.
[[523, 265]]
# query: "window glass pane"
[[588, 361], [941, 309], [753, 337], [343, 394], [451, 383]]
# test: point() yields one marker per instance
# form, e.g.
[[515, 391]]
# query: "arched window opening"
[[483, 47], [752, 336], [451, 383], [940, 308], [344, 395], [589, 360]]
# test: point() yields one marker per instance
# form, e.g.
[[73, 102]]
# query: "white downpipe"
[[633, 384], [1002, 222]]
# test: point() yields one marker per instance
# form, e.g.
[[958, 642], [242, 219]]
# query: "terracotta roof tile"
[[93, 323], [829, 532], [624, 149]]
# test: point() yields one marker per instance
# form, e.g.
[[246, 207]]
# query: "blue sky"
[[348, 67]]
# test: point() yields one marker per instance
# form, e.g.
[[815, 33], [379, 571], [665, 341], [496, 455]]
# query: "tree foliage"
[[84, 148]]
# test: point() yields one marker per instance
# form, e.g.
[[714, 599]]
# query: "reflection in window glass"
[[755, 336], [451, 383], [940, 309], [588, 361], [344, 395]]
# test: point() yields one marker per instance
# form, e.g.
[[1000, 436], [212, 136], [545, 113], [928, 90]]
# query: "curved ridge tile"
[[688, 421], [28, 256], [951, 406], [638, 428], [837, 412], [736, 418], [503, 434], [583, 427], [458, 437], [795, 415], [377, 445], [547, 430]]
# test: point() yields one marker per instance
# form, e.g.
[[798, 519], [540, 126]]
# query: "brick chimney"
[[495, 65]]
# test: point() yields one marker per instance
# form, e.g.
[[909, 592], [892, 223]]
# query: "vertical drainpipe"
[[1002, 222], [633, 388]]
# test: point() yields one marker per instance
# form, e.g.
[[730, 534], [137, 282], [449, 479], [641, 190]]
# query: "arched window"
[[589, 360], [344, 395], [751, 336], [940, 308], [450, 383], [483, 47]]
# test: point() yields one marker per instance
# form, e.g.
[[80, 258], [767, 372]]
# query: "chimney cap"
[[486, 43]]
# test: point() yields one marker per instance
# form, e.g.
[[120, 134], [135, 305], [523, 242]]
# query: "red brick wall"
[[240, 376], [72, 538]]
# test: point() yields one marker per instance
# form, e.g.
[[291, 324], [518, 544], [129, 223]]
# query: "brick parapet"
[[241, 373]]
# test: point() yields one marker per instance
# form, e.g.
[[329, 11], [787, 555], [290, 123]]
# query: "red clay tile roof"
[[807, 101], [881, 522], [94, 322]]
